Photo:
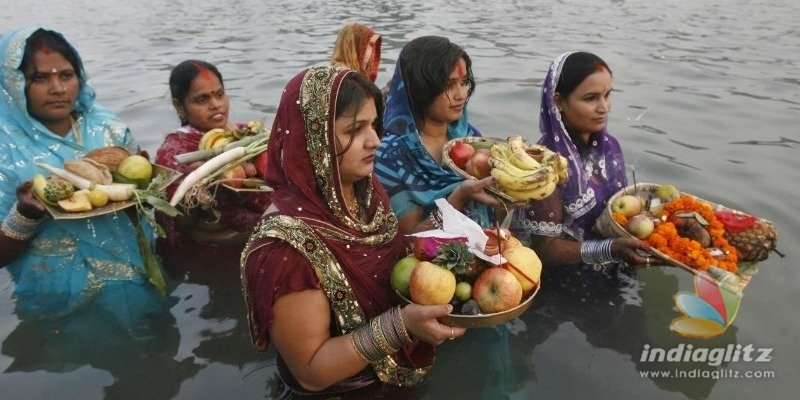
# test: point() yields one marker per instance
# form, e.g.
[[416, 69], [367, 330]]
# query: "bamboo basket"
[[606, 226], [493, 190]]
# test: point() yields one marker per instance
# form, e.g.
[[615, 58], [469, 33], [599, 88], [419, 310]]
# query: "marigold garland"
[[665, 237]]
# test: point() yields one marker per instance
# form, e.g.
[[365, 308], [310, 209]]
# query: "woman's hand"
[[473, 190], [27, 204], [631, 251], [422, 323]]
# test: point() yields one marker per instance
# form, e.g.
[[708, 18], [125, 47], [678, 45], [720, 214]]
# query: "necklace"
[[354, 206]]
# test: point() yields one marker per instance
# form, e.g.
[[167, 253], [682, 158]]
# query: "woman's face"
[[206, 105], [586, 109], [51, 86], [359, 159], [449, 105]]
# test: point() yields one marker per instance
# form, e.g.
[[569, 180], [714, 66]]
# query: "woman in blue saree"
[[425, 108], [48, 115]]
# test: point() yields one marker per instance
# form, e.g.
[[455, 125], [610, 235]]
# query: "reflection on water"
[[706, 97]]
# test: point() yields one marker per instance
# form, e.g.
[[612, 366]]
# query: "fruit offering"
[[220, 137], [88, 183], [692, 231], [443, 270], [527, 171]]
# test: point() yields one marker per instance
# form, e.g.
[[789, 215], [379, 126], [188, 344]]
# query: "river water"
[[707, 97]]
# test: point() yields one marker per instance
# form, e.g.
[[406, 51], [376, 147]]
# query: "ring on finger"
[[452, 333], [647, 261]]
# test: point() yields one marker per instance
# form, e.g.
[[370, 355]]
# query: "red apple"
[[234, 176], [478, 165], [640, 225], [460, 153], [496, 290], [525, 265], [627, 205], [261, 162], [431, 284]]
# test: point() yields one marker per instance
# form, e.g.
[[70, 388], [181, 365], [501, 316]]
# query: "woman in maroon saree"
[[201, 102], [316, 271]]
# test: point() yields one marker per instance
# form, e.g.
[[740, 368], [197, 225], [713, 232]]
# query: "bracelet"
[[597, 252], [381, 336], [17, 226], [435, 217]]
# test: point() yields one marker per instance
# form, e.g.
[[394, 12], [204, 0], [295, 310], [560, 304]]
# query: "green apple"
[[463, 291], [401, 274], [667, 193], [627, 205]]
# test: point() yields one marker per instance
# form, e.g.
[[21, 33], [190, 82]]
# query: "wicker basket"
[[446, 161], [606, 226]]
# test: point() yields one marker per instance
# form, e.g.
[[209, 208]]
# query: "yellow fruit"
[[97, 198], [77, 203], [136, 167], [39, 183]]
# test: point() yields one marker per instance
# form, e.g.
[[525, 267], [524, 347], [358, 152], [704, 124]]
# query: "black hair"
[[576, 68], [181, 77], [426, 64], [43, 39], [353, 94]]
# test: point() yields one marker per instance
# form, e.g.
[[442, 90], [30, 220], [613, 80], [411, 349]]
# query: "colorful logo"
[[711, 309]]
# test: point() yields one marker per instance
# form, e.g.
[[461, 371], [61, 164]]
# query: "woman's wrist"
[[381, 336], [17, 226], [598, 251]]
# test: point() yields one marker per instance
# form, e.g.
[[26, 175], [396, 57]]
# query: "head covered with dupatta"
[[582, 196], [358, 47]]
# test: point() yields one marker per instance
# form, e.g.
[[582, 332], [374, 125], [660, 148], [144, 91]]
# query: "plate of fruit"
[[443, 270], [689, 232], [103, 181], [524, 171]]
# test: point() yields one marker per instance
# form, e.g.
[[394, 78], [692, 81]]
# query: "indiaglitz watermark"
[[713, 357], [698, 373]]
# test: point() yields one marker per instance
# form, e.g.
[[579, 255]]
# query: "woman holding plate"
[[48, 114], [218, 231], [316, 271], [425, 108]]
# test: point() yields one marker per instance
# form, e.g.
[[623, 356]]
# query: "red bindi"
[[461, 68], [43, 48], [204, 72]]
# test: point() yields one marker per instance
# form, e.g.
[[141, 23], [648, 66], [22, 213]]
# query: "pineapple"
[[755, 242], [456, 257]]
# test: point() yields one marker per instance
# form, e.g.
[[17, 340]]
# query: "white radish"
[[207, 168], [115, 191]]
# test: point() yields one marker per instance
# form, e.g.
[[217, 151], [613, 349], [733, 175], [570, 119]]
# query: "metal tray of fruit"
[[166, 176], [608, 227], [485, 320], [481, 142]]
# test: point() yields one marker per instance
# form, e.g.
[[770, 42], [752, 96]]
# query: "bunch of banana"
[[526, 172], [214, 138]]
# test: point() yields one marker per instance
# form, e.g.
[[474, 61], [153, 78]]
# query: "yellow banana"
[[39, 183], [534, 194], [562, 169], [519, 157], [532, 181], [511, 169], [209, 137]]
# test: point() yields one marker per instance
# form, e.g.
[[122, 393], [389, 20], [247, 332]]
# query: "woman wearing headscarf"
[[217, 234], [358, 47], [425, 108], [48, 114], [316, 271], [572, 118]]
